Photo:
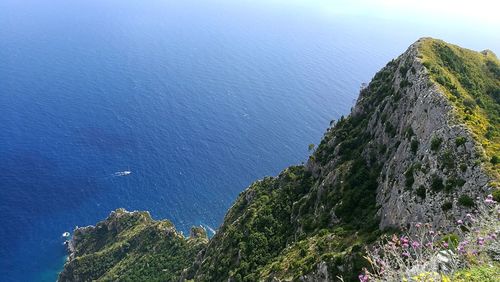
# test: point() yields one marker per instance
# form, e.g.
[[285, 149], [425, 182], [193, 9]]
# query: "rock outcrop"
[[130, 246]]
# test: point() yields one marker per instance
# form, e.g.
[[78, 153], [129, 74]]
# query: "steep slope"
[[414, 149], [401, 156]]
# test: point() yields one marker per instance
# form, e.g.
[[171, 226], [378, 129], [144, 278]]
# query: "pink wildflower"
[[363, 278], [489, 199], [480, 241]]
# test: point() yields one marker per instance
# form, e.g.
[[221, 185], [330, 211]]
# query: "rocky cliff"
[[421, 145]]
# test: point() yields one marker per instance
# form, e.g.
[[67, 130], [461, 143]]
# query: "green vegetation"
[[496, 195], [495, 160], [132, 247], [447, 206], [414, 146], [285, 226], [479, 273], [409, 179], [463, 167], [256, 229], [310, 148], [460, 141], [437, 183], [471, 81], [421, 192], [453, 182], [466, 201], [436, 143], [447, 159]]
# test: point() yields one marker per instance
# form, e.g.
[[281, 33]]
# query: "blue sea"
[[197, 99]]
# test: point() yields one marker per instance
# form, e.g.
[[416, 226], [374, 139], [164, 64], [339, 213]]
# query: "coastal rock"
[[130, 244]]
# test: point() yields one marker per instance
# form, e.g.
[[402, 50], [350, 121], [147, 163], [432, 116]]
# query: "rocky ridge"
[[404, 155]]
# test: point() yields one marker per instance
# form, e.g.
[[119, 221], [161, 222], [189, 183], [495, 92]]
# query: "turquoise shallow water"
[[196, 98]]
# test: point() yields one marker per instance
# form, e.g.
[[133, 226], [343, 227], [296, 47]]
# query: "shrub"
[[452, 183], [436, 143], [414, 146], [469, 103], [446, 206], [389, 129], [409, 179], [437, 183], [409, 132], [310, 147], [460, 141], [495, 160], [421, 191], [451, 239], [405, 82], [463, 167], [496, 195], [466, 201], [447, 159]]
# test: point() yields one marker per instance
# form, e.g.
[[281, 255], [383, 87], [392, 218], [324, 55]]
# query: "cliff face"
[[431, 167], [421, 145]]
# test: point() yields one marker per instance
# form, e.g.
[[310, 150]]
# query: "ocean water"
[[197, 98]]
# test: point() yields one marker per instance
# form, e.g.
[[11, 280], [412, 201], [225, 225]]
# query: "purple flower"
[[415, 244], [431, 232], [406, 254], [445, 244], [480, 241], [418, 225], [363, 278], [468, 215], [489, 199], [405, 245], [460, 222]]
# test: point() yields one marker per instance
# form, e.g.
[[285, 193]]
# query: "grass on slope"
[[471, 81]]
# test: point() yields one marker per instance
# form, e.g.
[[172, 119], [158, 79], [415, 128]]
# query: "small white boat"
[[66, 234], [123, 173]]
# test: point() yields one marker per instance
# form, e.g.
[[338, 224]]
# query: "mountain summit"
[[421, 145]]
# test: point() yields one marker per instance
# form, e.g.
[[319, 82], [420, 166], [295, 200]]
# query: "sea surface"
[[196, 98]]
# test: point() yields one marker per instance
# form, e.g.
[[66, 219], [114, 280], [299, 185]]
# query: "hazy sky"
[[477, 12]]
